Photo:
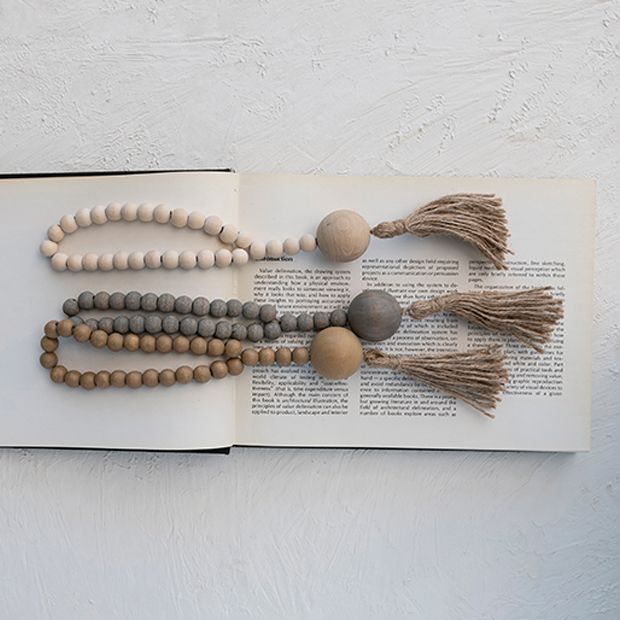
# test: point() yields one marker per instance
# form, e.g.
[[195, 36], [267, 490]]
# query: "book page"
[[36, 412], [547, 402]]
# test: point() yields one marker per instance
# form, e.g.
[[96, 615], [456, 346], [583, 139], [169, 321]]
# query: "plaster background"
[[384, 87]]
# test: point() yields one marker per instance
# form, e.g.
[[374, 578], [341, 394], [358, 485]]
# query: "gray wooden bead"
[[148, 302], [288, 322], [304, 322], [133, 300], [321, 320], [206, 328], [102, 300], [200, 306], [77, 320], [239, 331], [223, 330], [188, 326], [338, 318], [375, 315], [183, 304], [170, 324], [272, 330], [255, 332], [250, 310], [70, 307], [92, 323], [86, 300], [121, 324], [136, 324], [117, 301], [218, 308], [234, 307], [268, 313], [152, 324], [106, 323], [165, 302]]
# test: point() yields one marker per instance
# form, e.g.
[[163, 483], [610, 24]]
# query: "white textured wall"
[[384, 87]]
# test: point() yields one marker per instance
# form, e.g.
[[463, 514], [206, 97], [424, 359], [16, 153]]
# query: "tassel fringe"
[[529, 316], [478, 219], [476, 377]]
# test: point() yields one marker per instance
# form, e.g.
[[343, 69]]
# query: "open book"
[[547, 402]]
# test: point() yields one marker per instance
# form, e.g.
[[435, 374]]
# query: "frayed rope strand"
[[476, 377], [478, 219]]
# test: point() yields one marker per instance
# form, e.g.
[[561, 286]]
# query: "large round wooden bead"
[[336, 353], [343, 236], [375, 315]]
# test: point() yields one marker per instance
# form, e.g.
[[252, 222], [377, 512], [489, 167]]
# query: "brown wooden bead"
[[198, 345], [150, 377], [336, 353], [65, 328], [57, 374], [301, 356], [283, 356], [134, 379], [87, 381], [102, 379], [82, 332], [202, 374], [51, 329], [219, 369], [235, 366], [48, 360], [117, 378], [147, 343], [167, 377], [49, 345], [375, 315], [72, 378], [181, 344], [216, 347], [115, 342], [99, 338], [131, 342], [266, 357], [164, 343], [343, 236], [249, 357], [232, 348], [184, 374]]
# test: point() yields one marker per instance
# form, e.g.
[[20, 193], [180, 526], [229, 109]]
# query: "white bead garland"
[[240, 247]]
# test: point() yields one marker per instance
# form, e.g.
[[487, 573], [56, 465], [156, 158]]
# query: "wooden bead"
[[219, 369], [232, 348], [301, 356], [170, 259], [72, 378], [59, 261], [48, 248], [65, 328], [49, 345], [162, 214], [82, 332], [196, 220], [266, 357], [235, 366], [213, 225], [134, 379], [167, 377], [202, 374], [206, 259], [102, 379], [249, 357], [57, 374], [55, 233], [90, 261], [215, 347], [240, 257], [223, 257], [48, 360], [148, 343], [115, 342], [343, 236], [51, 329], [114, 211], [117, 378], [184, 374], [181, 344], [375, 315], [291, 246], [283, 356], [87, 381], [98, 215], [131, 342], [198, 345], [257, 250], [228, 233], [150, 377], [307, 243], [74, 262], [164, 343], [99, 339], [179, 218], [336, 353], [274, 248], [68, 224], [187, 259]]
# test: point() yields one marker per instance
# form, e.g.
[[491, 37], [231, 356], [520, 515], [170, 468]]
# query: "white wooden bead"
[[291, 246], [162, 214], [257, 250], [179, 218], [106, 262], [136, 261], [206, 259], [239, 256], [145, 212], [114, 212], [213, 225], [82, 218], [48, 248], [223, 257], [170, 259], [68, 224], [89, 261], [55, 233], [308, 243], [74, 262], [121, 260], [98, 215], [274, 248], [196, 220], [152, 259], [243, 240], [187, 259], [129, 212], [229, 233], [59, 261]]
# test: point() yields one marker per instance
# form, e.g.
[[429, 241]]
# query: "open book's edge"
[[222, 450], [103, 173]]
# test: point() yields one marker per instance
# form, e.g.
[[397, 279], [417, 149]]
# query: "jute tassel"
[[476, 377], [478, 219], [530, 316]]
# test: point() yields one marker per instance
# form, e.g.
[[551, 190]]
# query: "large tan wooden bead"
[[336, 353], [343, 236]]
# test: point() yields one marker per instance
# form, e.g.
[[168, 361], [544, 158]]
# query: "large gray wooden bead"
[[374, 315]]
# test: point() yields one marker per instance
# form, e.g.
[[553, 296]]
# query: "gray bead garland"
[[86, 300], [206, 328], [218, 308], [153, 324], [121, 324], [102, 300], [223, 330], [170, 324], [183, 304], [188, 326], [200, 306], [71, 307], [117, 301], [165, 302], [133, 300], [250, 310]]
